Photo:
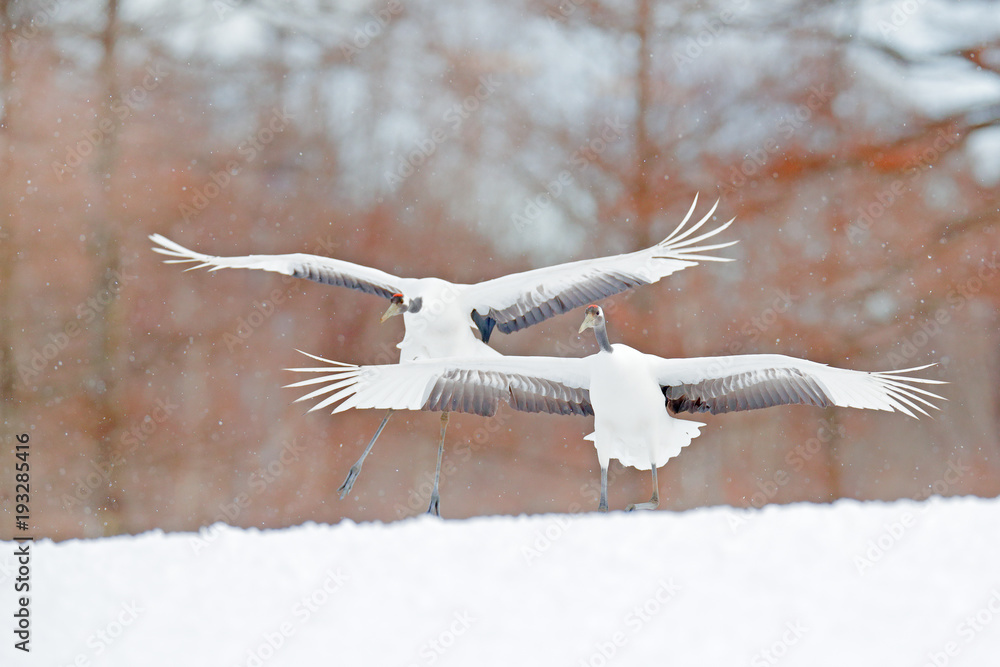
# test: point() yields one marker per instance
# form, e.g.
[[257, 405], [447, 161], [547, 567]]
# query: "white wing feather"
[[519, 300], [532, 384], [298, 265], [748, 382]]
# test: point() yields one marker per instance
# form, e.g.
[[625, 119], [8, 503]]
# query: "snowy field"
[[902, 583]]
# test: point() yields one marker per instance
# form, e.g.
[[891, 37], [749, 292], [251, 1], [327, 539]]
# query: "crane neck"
[[601, 332]]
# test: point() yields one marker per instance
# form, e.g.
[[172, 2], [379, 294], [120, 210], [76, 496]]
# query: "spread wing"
[[324, 270], [478, 386], [753, 381], [519, 300]]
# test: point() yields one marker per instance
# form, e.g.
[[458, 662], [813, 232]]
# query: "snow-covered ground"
[[904, 583]]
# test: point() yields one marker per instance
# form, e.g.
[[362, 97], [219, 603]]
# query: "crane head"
[[594, 316], [399, 304]]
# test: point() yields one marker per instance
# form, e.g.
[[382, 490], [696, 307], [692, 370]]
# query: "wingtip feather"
[[326, 361]]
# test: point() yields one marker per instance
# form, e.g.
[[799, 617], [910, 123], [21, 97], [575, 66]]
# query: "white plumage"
[[630, 422], [440, 317], [631, 394]]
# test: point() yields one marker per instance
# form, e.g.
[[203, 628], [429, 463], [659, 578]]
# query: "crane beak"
[[393, 309], [588, 323]]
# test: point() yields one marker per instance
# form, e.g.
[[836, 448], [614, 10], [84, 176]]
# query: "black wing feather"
[[480, 392], [746, 391]]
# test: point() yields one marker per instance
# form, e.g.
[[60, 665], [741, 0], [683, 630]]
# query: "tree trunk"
[[8, 370], [107, 327]]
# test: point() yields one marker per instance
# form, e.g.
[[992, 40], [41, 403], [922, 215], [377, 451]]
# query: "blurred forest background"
[[857, 143]]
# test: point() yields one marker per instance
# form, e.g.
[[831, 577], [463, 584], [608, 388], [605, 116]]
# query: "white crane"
[[630, 394], [439, 316]]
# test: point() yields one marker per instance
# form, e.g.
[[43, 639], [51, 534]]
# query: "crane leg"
[[355, 470], [654, 502], [435, 506], [603, 506]]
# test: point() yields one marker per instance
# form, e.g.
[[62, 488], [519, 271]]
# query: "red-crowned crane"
[[632, 395], [439, 316]]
